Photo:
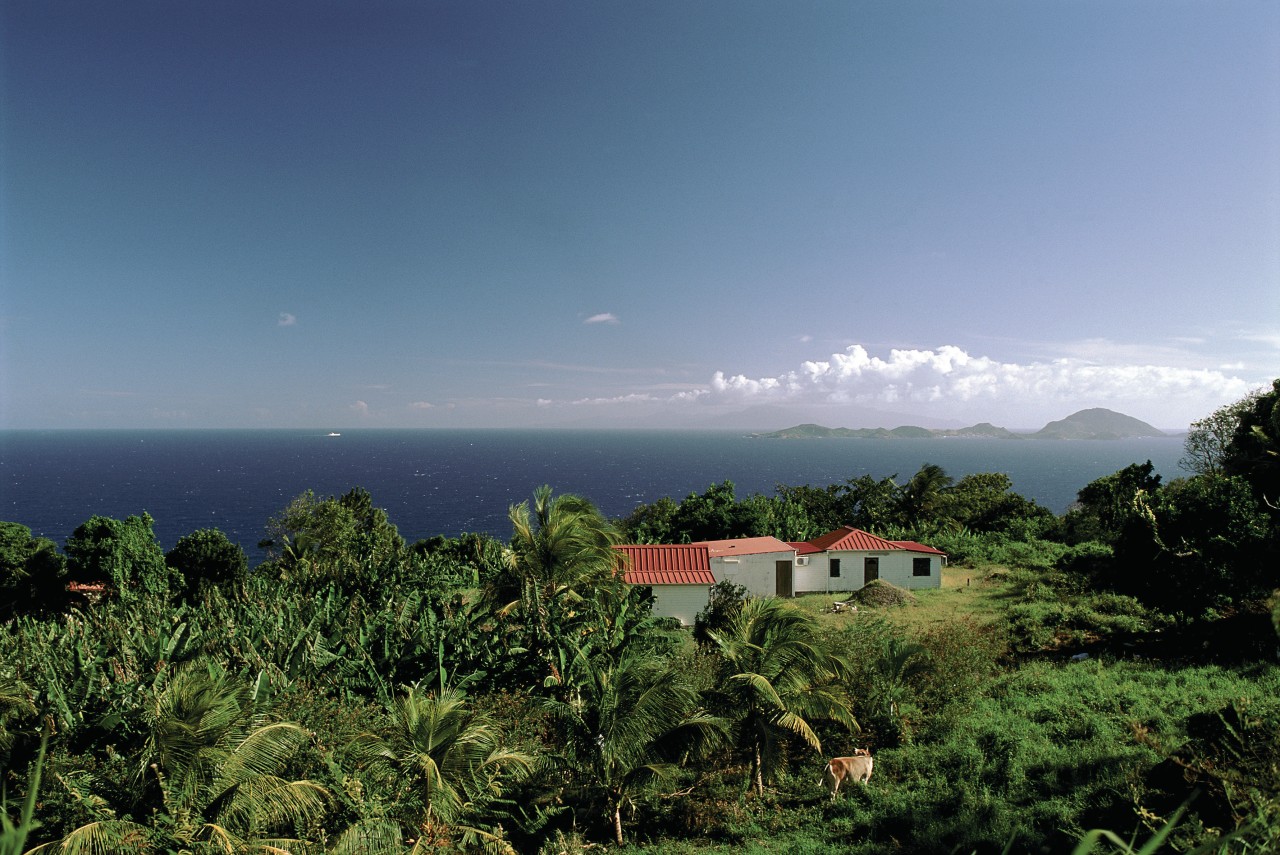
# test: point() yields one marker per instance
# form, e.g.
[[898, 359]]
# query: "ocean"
[[454, 481]]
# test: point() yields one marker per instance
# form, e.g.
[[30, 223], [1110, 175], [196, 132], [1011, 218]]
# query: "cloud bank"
[[949, 380]]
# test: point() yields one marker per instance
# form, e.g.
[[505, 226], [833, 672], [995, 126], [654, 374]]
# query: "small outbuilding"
[[679, 577], [765, 566]]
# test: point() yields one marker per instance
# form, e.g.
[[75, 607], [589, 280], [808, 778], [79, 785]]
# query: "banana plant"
[[211, 772]]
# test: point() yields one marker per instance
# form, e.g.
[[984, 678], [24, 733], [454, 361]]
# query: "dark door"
[[870, 570], [784, 579]]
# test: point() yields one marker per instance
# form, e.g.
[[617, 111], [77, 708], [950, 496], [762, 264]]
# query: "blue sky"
[[397, 214]]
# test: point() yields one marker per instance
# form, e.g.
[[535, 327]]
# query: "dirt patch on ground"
[[880, 594]]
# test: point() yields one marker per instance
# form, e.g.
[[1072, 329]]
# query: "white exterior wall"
[[813, 577], [899, 570], [896, 567], [852, 565], [680, 601], [758, 573]]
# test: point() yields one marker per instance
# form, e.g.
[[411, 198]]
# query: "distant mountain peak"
[[1094, 423], [1097, 423]]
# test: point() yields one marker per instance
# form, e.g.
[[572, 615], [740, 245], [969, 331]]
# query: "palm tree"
[[15, 705], [447, 759], [561, 562], [898, 664], [920, 498], [777, 675], [624, 723], [213, 763]]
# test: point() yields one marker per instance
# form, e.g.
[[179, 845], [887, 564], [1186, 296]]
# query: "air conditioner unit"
[[802, 560]]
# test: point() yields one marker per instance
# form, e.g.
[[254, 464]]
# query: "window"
[[835, 568], [919, 566]]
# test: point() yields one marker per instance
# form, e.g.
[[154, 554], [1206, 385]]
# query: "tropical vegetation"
[[1104, 680]]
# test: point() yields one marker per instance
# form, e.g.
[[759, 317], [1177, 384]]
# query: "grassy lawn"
[[980, 595]]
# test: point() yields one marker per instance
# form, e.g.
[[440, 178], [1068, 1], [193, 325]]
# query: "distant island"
[[1096, 423]]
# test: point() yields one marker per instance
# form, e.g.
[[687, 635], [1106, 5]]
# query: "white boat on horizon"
[[333, 433]]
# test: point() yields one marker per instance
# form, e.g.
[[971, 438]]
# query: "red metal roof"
[[912, 546], [745, 546], [850, 538], [803, 547], [665, 564]]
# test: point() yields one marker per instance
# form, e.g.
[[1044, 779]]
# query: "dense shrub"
[[972, 549], [723, 603], [1046, 619]]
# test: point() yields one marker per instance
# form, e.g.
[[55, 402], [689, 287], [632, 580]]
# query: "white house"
[[765, 566], [679, 576], [842, 560], [848, 558]]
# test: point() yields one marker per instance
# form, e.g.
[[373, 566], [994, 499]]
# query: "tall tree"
[[624, 724], [1106, 505], [561, 571], [1199, 542], [776, 676], [716, 515], [346, 540], [1208, 443], [921, 498], [122, 553], [449, 761], [985, 501], [32, 573], [207, 559], [826, 508], [875, 500], [652, 523], [1254, 451]]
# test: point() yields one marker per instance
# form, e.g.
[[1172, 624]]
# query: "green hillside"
[[1097, 423]]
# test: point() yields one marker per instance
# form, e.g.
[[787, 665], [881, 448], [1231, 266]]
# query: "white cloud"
[[421, 405], [603, 318], [360, 408], [287, 320], [634, 398], [952, 381], [1271, 338]]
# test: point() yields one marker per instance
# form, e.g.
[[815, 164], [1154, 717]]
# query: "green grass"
[[1048, 752], [982, 595]]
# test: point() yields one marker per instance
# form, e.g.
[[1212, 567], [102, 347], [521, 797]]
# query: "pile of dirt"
[[880, 593]]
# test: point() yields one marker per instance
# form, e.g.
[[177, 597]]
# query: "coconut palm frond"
[[447, 752], [264, 751], [267, 803], [369, 837], [776, 676], [110, 837]]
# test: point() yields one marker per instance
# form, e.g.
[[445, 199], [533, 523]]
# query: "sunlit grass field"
[[1026, 756], [981, 594]]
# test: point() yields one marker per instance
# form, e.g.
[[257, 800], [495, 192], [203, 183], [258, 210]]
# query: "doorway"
[[786, 586]]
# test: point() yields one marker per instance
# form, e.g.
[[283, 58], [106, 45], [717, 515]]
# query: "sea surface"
[[453, 481]]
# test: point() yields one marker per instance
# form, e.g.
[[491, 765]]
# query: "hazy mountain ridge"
[[1095, 423]]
